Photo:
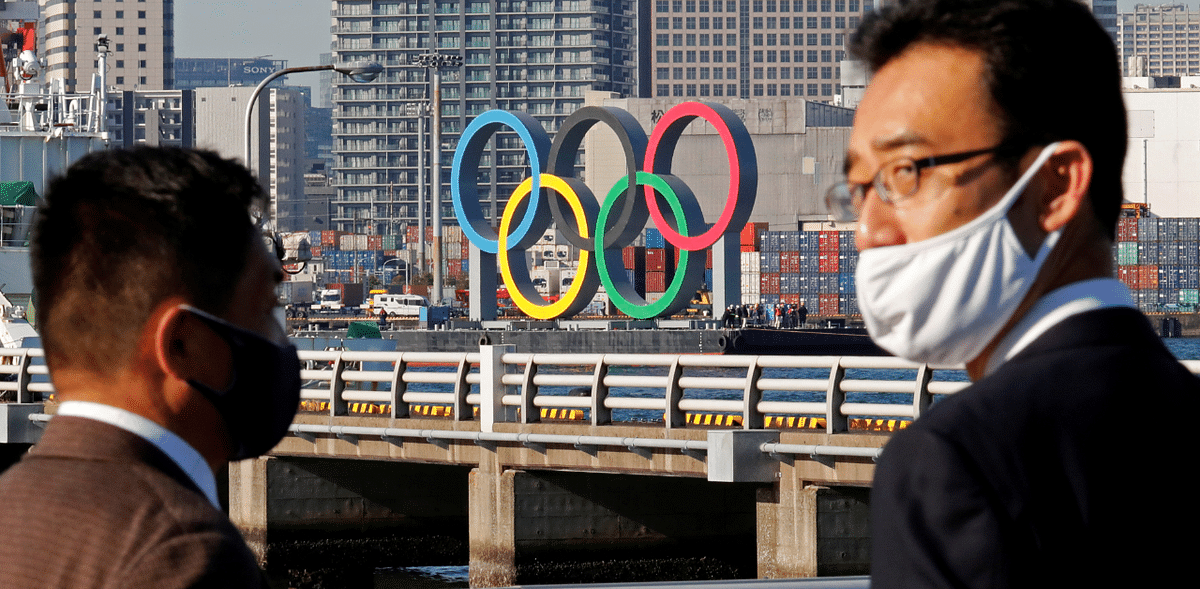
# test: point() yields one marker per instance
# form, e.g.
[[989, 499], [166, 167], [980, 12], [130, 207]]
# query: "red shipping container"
[[751, 234], [789, 262], [329, 238], [656, 281], [374, 242], [748, 248], [1127, 229], [411, 235], [828, 240], [1128, 276], [316, 251], [790, 298], [708, 259], [768, 283], [828, 304], [455, 267], [630, 255], [828, 263], [429, 234], [656, 260], [1147, 277]]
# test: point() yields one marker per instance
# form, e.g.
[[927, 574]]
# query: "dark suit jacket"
[[95, 506], [1062, 469]]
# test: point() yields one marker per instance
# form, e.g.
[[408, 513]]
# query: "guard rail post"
[[674, 416], [835, 397], [752, 418], [601, 414], [529, 412], [491, 388], [24, 395], [921, 396], [337, 386], [399, 407], [462, 409]]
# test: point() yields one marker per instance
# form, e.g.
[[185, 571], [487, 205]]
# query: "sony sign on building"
[[220, 72]]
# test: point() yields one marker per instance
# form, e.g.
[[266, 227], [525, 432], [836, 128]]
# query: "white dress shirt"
[[179, 451], [1052, 309]]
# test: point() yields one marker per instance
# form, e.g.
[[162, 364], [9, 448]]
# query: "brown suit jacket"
[[92, 505]]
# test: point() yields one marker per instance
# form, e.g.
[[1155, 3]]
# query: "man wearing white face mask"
[[984, 173]]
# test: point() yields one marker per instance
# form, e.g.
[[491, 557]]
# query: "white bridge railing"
[[498, 385]]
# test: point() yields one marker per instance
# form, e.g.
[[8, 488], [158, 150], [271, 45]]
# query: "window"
[[96, 14], [662, 6], [96, 31], [758, 40], [691, 5], [662, 22], [677, 22], [812, 38], [663, 56], [120, 30], [758, 56], [770, 22], [704, 73], [813, 89], [703, 57], [758, 73], [704, 91], [120, 63], [120, 14], [663, 73], [691, 39], [826, 89], [691, 73], [704, 40], [677, 74], [142, 80], [826, 22], [812, 22], [826, 39], [141, 14], [663, 90], [691, 89], [141, 30], [677, 90], [691, 23], [141, 46], [120, 47], [120, 79], [663, 40], [704, 23], [717, 90], [141, 63], [758, 22], [812, 73], [758, 89], [677, 57], [826, 73]]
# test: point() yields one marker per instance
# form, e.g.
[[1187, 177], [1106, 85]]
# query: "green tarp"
[[18, 193], [363, 330]]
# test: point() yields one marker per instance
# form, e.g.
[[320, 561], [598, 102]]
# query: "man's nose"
[[877, 224]]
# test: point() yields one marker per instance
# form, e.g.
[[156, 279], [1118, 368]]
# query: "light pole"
[[358, 71], [434, 62]]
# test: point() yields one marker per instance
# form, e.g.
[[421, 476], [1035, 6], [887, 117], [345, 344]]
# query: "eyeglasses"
[[896, 181]]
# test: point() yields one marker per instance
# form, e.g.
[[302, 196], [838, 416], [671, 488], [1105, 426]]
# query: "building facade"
[[276, 140], [141, 37], [215, 72], [151, 117], [1161, 40], [752, 48], [534, 56]]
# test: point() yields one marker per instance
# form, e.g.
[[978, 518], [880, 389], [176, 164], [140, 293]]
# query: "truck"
[[398, 304]]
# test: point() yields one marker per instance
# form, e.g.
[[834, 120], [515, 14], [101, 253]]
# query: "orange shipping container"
[[751, 234]]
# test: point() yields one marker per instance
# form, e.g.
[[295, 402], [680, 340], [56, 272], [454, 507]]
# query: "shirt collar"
[[1054, 308], [179, 451]]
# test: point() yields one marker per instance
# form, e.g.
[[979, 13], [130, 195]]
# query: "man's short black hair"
[[123, 230], [1052, 70]]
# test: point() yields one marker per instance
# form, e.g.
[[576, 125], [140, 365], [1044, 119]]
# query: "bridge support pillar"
[[248, 483], [541, 527], [808, 531]]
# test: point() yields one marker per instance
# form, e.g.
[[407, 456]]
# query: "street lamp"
[[358, 71]]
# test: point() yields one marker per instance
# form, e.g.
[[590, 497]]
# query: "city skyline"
[[296, 30]]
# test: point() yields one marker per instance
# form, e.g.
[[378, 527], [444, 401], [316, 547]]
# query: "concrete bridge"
[[760, 461]]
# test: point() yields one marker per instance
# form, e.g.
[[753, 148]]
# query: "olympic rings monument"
[[600, 229]]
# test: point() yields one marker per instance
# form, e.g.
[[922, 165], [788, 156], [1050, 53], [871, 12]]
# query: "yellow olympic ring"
[[586, 279]]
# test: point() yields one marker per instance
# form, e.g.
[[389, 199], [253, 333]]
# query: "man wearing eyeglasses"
[[156, 301], [984, 171]]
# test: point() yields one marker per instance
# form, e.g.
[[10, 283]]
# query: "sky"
[[295, 30]]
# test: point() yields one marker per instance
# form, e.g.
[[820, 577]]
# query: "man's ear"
[[176, 350], [1068, 177]]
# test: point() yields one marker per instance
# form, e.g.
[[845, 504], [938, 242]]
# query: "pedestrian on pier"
[[984, 173], [167, 361]]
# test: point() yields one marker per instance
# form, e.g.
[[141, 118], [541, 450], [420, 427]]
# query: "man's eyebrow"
[[888, 143]]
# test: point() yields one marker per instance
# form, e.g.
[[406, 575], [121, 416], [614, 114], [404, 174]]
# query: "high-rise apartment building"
[[1105, 12], [141, 36], [276, 142], [752, 48], [534, 56], [1160, 40]]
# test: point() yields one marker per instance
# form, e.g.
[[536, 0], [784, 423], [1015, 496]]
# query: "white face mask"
[[943, 299]]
